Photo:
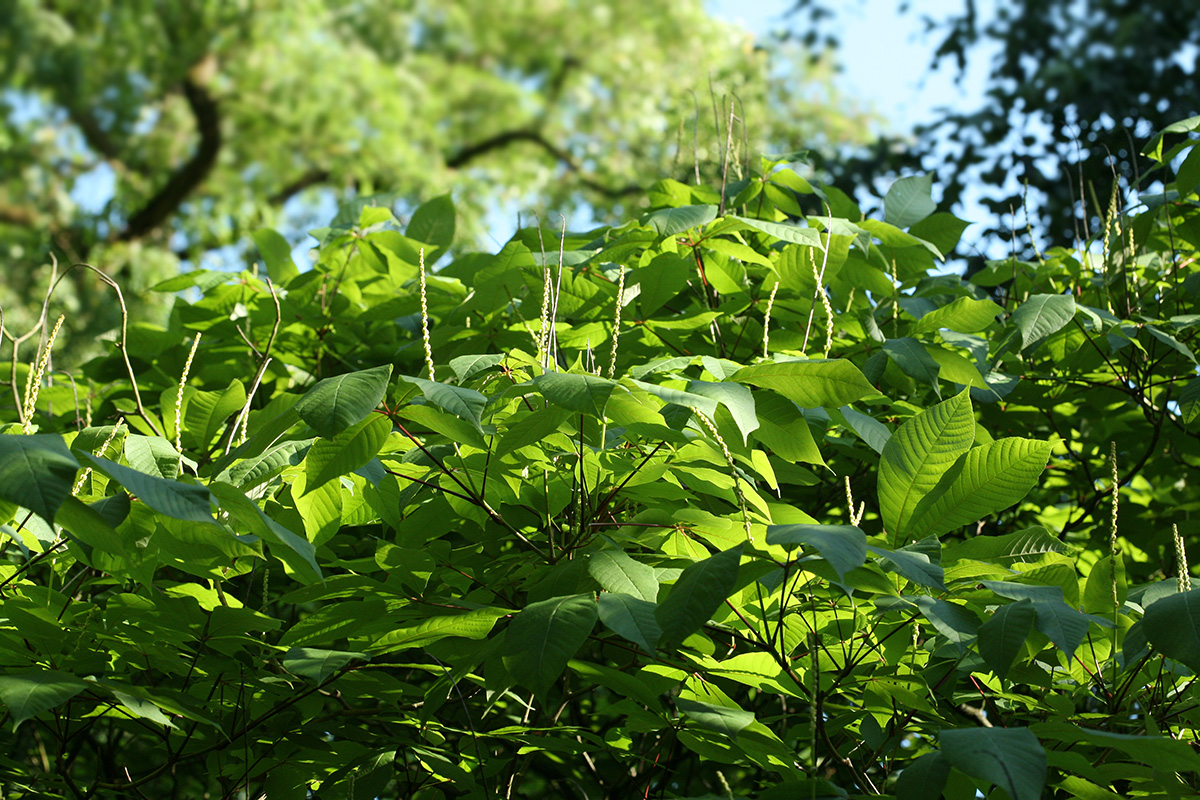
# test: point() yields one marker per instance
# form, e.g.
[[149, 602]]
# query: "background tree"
[[137, 134], [1073, 92]]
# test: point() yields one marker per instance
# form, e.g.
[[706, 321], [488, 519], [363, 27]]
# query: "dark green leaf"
[[909, 200], [696, 595], [176, 499], [545, 636], [1003, 635], [843, 546], [630, 617], [28, 694], [334, 404], [1011, 758], [36, 472]]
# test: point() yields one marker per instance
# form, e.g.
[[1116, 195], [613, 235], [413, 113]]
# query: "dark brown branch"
[[311, 178], [506, 138], [170, 197]]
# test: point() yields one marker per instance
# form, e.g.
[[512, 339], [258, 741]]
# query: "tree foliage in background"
[[1072, 90], [721, 501], [136, 134]]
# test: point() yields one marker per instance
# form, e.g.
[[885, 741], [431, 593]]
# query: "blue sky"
[[885, 55]]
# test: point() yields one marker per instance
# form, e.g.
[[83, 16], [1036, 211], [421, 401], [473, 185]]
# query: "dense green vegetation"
[[727, 500]]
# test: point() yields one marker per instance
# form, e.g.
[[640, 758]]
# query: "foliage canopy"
[[574, 518]]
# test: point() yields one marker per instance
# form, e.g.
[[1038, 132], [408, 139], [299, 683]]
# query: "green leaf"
[[1106, 587], [1187, 177], [618, 573], [460, 401], [923, 778], [1042, 315], [1062, 625], [909, 200], [910, 356], [660, 280], [1003, 635], [176, 499], [433, 224], [697, 594], [1172, 342], [1172, 626], [466, 366], [352, 448], [704, 405], [277, 254], [30, 693], [843, 546], [1157, 751], [632, 618], [475, 624], [1189, 401], [670, 221], [914, 565], [788, 233], [722, 719], [983, 481], [916, 457], [735, 397], [1011, 758], [334, 404], [545, 636], [965, 315], [37, 472], [582, 394], [152, 455], [783, 428], [957, 623], [942, 229], [88, 525], [290, 548], [205, 413], [811, 384], [531, 428], [869, 429], [318, 665], [1027, 545]]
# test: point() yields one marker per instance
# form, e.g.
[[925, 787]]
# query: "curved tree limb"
[[159, 208]]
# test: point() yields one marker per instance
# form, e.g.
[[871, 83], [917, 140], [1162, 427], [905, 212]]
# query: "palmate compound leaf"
[[916, 457], [815, 383], [982, 481], [1011, 758], [545, 636], [334, 404], [30, 693], [36, 472], [1003, 635], [696, 595], [843, 546], [1172, 626]]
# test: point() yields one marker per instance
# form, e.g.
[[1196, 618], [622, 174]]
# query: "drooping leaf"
[[276, 253], [545, 636], [176, 499], [1027, 545], [957, 623], [36, 472], [916, 457], [670, 221], [152, 455], [28, 694], [618, 573], [464, 403], [735, 397], [1042, 315], [1189, 400], [910, 356], [334, 404], [294, 550], [788, 233], [915, 566], [1063, 625], [696, 595], [1011, 758], [983, 481], [1172, 626], [467, 366], [869, 429], [1003, 635], [433, 223], [843, 546], [630, 617], [811, 384]]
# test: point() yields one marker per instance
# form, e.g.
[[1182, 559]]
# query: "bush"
[[590, 517]]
